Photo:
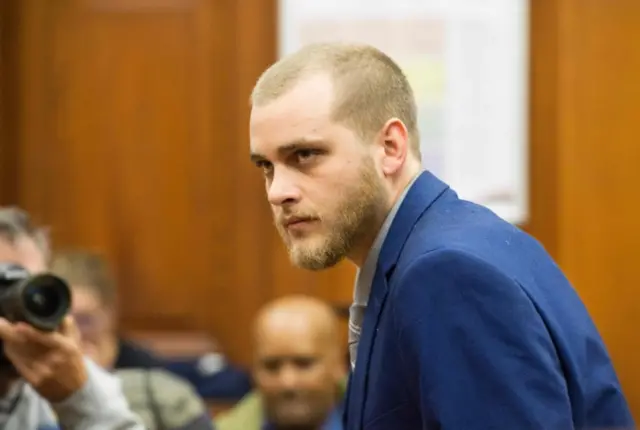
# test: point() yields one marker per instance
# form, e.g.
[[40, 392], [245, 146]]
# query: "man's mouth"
[[292, 222]]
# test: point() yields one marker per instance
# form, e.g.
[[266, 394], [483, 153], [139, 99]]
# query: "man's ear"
[[394, 139]]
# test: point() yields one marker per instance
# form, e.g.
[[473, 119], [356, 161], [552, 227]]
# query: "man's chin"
[[294, 418], [313, 262]]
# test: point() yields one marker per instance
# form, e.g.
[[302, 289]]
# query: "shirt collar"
[[365, 274]]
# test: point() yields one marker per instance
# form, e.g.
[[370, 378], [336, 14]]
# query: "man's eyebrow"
[[302, 143]]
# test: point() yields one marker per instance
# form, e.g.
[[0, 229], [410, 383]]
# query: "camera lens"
[[42, 301]]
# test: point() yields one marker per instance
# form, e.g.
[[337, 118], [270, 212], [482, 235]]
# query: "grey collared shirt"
[[365, 274]]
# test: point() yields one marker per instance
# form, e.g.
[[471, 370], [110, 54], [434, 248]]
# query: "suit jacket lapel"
[[347, 401], [426, 190], [422, 194]]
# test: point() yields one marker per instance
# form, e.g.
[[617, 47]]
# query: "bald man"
[[298, 369]]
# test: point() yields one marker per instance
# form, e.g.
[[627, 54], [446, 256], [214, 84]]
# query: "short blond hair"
[[370, 88]]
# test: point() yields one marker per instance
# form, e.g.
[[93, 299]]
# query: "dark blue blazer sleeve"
[[477, 354]]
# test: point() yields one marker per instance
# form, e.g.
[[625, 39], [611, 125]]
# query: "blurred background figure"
[[147, 373], [94, 308], [41, 395], [299, 370], [163, 400]]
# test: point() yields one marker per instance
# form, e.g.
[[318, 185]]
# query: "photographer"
[[44, 375]]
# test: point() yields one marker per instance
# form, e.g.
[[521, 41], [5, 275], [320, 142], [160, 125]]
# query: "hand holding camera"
[[39, 339]]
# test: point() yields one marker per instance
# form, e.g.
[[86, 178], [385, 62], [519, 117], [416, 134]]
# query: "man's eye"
[[304, 362], [265, 166], [304, 155], [271, 365]]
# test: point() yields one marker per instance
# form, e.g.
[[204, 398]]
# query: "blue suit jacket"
[[471, 325]]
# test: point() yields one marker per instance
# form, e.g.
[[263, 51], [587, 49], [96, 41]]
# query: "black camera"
[[41, 300]]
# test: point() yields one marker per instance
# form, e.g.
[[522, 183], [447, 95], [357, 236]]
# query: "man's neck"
[[361, 252]]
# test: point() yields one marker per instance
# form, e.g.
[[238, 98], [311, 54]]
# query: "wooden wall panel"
[[584, 151], [599, 131], [543, 123], [253, 43], [131, 142], [8, 101]]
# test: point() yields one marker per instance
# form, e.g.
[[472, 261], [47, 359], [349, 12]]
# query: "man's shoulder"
[[153, 391], [445, 266], [167, 389], [466, 255], [454, 222], [460, 233]]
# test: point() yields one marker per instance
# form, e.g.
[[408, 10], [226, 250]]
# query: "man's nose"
[[282, 189], [288, 377]]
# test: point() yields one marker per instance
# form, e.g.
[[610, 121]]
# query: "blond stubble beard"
[[356, 218]]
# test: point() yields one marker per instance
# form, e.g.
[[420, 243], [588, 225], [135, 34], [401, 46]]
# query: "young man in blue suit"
[[460, 320]]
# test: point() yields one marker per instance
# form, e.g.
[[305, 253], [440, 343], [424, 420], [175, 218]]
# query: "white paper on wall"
[[467, 61]]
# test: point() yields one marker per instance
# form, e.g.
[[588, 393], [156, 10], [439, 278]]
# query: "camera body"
[[41, 300]]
